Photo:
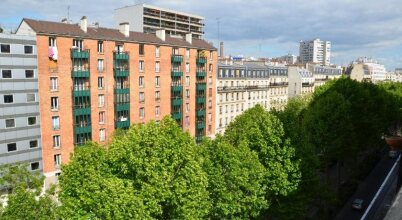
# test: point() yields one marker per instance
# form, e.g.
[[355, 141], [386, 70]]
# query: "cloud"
[[255, 27]]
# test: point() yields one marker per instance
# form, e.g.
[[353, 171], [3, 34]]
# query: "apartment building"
[[20, 136], [148, 19], [315, 51], [301, 81], [367, 69], [322, 74], [242, 86], [93, 80]]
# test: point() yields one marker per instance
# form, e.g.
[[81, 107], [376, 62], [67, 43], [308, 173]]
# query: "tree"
[[151, 171], [263, 133], [23, 191], [236, 180]]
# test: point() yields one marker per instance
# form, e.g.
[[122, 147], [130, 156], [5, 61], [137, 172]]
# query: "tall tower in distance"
[[315, 51], [221, 50]]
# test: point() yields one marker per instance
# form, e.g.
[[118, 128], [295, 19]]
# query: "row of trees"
[[267, 164]]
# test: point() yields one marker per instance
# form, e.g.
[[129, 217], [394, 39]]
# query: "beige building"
[[366, 69], [323, 74], [301, 81]]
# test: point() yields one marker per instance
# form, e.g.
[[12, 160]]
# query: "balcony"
[[200, 100], [121, 73], [200, 112], [200, 125], [278, 84], [79, 54], [201, 60], [82, 111], [80, 73], [177, 101], [82, 129], [120, 56], [177, 58], [177, 88], [123, 124], [201, 86], [122, 91], [201, 73], [198, 139], [122, 107], [307, 84], [176, 115], [81, 93], [231, 88], [177, 73]]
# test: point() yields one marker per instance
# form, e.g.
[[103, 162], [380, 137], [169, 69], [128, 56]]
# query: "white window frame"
[[55, 122], [56, 141]]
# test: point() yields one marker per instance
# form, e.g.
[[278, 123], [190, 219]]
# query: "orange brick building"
[[93, 80]]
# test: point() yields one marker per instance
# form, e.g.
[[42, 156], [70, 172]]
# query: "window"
[[187, 107], [187, 80], [187, 53], [52, 42], [53, 84], [32, 120], [100, 65], [211, 55], [210, 80], [209, 117], [157, 111], [11, 147], [141, 81], [210, 67], [8, 99], [5, 48], [33, 144], [78, 44], [6, 74], [142, 97], [141, 65], [187, 67], [28, 49], [102, 134], [101, 83], [56, 141], [157, 95], [157, 51], [57, 160], [175, 51], [29, 74], [142, 113], [100, 46], [10, 123], [158, 81], [54, 103], [141, 49], [101, 117], [101, 100], [31, 97], [187, 93], [157, 66], [35, 166], [56, 122]]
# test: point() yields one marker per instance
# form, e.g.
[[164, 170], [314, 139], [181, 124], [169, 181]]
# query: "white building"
[[315, 51], [369, 70], [301, 81], [322, 74], [147, 18]]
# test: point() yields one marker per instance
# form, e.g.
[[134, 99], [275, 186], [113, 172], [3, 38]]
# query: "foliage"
[[150, 172], [23, 190], [236, 180], [263, 133]]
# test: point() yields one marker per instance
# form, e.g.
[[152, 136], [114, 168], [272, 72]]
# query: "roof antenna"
[[68, 13]]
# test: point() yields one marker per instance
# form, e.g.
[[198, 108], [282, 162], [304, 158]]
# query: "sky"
[[258, 28]]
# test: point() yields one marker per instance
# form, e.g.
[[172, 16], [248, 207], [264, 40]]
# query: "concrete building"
[[315, 51], [242, 86], [322, 74], [93, 80], [301, 81], [20, 136], [148, 19], [367, 69], [288, 59]]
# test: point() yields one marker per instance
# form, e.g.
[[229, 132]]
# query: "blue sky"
[[260, 28]]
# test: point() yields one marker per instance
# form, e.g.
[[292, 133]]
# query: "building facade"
[[322, 74], [148, 19], [242, 86], [301, 81], [367, 69], [94, 80], [315, 51], [20, 136]]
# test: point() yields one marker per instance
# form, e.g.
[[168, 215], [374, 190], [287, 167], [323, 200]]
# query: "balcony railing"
[[307, 84], [177, 101], [201, 60], [77, 53], [177, 73], [279, 84], [120, 55], [177, 58], [123, 124], [176, 115]]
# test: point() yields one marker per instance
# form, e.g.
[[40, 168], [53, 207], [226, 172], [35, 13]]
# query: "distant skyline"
[[356, 28]]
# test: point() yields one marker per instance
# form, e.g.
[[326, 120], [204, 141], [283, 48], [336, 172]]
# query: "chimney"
[[161, 34], [84, 24], [125, 29], [221, 54], [189, 38], [64, 20]]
